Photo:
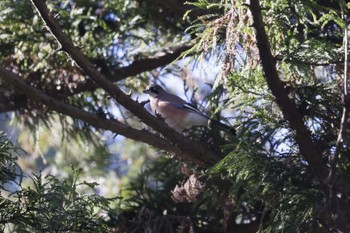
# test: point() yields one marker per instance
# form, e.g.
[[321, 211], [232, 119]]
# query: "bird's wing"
[[192, 108]]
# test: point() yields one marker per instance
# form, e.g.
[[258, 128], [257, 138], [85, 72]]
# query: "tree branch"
[[96, 121], [193, 148], [137, 67], [289, 109], [345, 115]]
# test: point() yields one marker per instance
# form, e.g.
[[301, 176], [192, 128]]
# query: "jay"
[[178, 113]]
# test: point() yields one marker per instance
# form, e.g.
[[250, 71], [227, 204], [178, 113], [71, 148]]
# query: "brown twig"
[[289, 109], [339, 204], [345, 115]]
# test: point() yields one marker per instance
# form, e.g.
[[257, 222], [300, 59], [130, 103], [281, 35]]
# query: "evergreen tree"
[[50, 206], [282, 83]]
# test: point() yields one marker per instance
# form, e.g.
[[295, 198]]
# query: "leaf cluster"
[[272, 190], [9, 171], [49, 205]]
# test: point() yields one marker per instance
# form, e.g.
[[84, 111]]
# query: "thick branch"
[[135, 68], [185, 144], [289, 109], [98, 122]]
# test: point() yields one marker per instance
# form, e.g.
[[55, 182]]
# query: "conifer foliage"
[[280, 78]]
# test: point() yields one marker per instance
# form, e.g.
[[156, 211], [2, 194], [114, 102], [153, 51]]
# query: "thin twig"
[[310, 63], [345, 115]]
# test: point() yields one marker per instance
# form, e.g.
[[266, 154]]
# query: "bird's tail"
[[222, 127]]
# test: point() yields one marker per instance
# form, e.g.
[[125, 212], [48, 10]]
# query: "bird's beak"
[[147, 90]]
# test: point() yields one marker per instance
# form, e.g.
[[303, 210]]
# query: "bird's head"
[[153, 90]]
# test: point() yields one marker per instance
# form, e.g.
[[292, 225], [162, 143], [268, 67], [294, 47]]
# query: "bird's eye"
[[154, 90]]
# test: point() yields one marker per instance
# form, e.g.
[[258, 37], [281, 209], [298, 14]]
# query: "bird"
[[178, 113]]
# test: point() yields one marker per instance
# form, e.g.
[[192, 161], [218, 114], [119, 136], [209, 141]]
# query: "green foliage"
[[53, 206], [9, 170], [305, 31], [267, 175], [147, 203], [147, 196], [282, 185], [49, 205], [263, 181]]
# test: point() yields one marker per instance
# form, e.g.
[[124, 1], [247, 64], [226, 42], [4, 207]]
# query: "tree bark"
[[287, 106]]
